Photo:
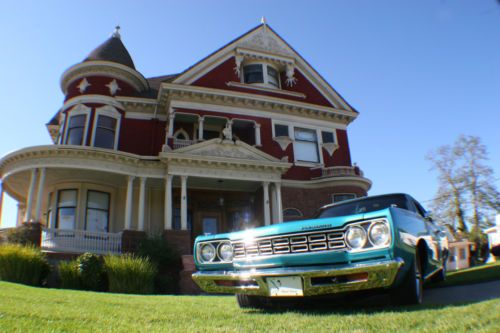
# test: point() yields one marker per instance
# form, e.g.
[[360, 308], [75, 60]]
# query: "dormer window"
[[76, 127], [261, 74]]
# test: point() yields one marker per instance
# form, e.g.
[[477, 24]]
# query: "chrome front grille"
[[290, 244]]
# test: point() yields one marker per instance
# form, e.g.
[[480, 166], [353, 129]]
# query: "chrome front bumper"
[[316, 280]]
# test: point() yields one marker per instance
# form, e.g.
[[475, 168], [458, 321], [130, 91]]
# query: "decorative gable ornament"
[[113, 87], [330, 147], [83, 85], [283, 141]]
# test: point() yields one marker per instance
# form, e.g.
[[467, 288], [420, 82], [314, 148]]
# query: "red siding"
[[98, 87], [142, 137], [224, 73], [342, 156]]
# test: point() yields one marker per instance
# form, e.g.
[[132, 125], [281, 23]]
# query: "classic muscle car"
[[385, 242]]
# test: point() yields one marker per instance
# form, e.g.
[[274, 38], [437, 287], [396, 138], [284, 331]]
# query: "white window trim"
[[265, 75], [80, 109], [108, 111], [318, 145], [60, 139], [255, 124]]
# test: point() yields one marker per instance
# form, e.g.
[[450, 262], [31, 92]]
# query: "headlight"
[[225, 251], [379, 234], [356, 237], [207, 252]]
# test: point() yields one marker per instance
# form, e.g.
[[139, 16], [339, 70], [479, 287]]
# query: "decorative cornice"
[[169, 91], [105, 68], [271, 90], [91, 158], [356, 181], [91, 99]]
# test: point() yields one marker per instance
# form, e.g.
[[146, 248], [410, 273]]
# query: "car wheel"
[[249, 301], [440, 276], [411, 290]]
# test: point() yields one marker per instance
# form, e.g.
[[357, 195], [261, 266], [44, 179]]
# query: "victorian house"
[[251, 135]]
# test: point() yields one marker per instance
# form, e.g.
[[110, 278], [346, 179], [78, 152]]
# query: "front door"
[[207, 223]]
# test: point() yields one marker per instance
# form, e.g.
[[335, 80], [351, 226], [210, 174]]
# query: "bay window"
[[66, 209], [305, 146], [97, 213], [105, 132], [76, 130]]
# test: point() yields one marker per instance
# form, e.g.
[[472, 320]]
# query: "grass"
[[478, 274], [27, 309], [130, 274]]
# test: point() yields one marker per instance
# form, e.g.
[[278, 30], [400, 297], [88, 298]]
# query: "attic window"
[[261, 73]]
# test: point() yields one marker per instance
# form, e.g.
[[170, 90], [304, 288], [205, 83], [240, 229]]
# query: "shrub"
[[68, 273], [166, 259], [19, 235], [130, 274], [91, 271], [23, 264]]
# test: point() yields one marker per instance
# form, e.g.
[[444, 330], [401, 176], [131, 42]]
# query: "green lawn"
[[28, 309], [476, 274]]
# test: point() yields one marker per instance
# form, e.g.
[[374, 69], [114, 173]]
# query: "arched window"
[[106, 127], [181, 134], [261, 73]]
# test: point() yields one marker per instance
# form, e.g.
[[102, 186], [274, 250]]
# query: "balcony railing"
[[341, 171], [79, 241], [179, 143]]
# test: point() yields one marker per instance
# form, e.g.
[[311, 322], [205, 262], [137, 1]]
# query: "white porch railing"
[[340, 171], [79, 241], [179, 143]]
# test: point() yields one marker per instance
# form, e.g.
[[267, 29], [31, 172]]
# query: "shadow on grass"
[[372, 304]]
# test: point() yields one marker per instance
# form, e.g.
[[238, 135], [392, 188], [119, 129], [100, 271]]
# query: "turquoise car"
[[385, 242]]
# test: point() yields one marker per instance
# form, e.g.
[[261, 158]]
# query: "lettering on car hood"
[[316, 227]]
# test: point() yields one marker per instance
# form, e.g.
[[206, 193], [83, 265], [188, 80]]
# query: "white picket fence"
[[79, 241]]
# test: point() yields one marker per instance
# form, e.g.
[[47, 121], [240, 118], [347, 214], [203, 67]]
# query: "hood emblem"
[[315, 227]]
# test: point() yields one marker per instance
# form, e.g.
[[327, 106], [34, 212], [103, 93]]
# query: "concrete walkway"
[[468, 293]]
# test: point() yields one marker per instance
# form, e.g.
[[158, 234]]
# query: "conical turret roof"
[[112, 50]]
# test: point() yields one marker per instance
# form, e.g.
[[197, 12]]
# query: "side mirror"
[[428, 216]]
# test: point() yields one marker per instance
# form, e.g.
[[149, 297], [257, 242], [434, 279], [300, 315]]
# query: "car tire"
[[440, 276], [411, 290], [249, 301]]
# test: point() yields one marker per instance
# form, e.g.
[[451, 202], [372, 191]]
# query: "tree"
[[449, 202], [467, 191]]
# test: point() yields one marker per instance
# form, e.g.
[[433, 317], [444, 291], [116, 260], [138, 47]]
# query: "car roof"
[[364, 198]]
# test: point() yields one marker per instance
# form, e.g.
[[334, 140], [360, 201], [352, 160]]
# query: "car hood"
[[297, 226]]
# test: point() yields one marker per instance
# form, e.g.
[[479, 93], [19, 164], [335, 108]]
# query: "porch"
[[80, 241]]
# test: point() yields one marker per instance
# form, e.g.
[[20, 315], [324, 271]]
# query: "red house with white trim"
[[250, 135]]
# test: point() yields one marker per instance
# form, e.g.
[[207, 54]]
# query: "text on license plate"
[[285, 286]]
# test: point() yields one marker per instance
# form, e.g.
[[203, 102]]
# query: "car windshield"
[[363, 206]]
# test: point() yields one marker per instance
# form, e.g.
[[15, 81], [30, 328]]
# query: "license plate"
[[284, 286]]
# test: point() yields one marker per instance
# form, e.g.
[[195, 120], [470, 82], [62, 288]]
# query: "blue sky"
[[419, 72]]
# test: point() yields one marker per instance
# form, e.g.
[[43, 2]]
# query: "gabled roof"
[[112, 50], [263, 38]]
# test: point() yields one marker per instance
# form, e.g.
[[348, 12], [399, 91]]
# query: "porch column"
[[168, 203], [267, 213], [31, 192], [128, 203], [279, 203], [184, 225], [142, 195], [39, 195], [257, 134], [170, 131], [200, 128], [274, 208]]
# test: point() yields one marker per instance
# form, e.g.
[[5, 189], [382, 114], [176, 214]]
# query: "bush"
[[19, 235], [23, 264], [166, 259], [91, 271], [68, 273], [130, 274]]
